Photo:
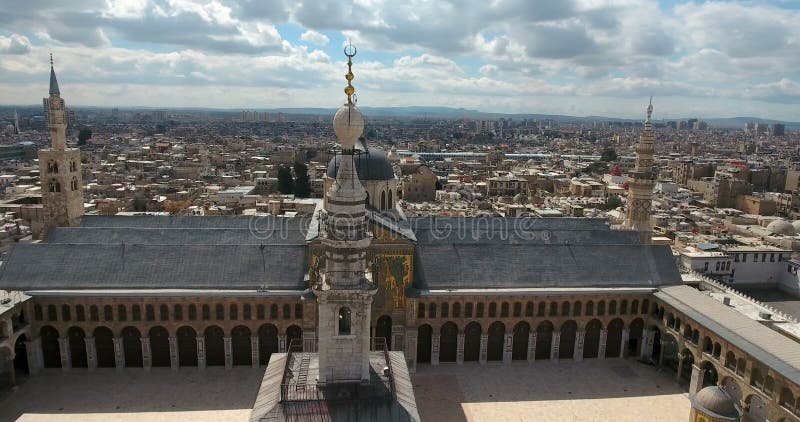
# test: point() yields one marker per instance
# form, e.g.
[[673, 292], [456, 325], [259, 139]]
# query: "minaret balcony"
[[345, 280]]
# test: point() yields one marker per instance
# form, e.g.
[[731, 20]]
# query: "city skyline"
[[715, 59]]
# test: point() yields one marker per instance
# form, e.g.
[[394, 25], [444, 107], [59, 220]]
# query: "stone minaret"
[[345, 288], [59, 166], [640, 185]]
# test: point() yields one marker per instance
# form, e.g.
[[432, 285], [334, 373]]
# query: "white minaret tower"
[[345, 288], [16, 123], [640, 186], [59, 166]]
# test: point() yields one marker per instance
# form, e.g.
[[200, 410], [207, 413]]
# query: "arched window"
[[93, 314], [504, 310], [389, 203], [421, 310], [74, 183], [623, 307], [73, 166], [80, 313], [136, 312], [108, 314], [730, 360], [52, 314], [383, 200], [576, 309], [247, 312], [612, 307], [589, 308], [529, 309], [65, 313], [492, 310], [260, 312], [163, 312], [540, 311], [565, 309], [517, 309], [456, 310], [645, 305], [479, 310], [298, 310], [55, 186], [122, 313], [206, 312], [52, 167], [219, 310], [635, 307], [756, 379], [344, 320], [601, 308], [234, 312], [287, 311], [273, 311], [192, 312], [553, 309], [445, 310], [432, 310], [149, 313], [468, 310], [177, 312], [37, 312]]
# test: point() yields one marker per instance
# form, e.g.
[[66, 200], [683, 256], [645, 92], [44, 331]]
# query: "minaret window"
[[74, 183], [73, 166], [52, 167], [55, 186], [344, 321]]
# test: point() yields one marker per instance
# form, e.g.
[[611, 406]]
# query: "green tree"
[[83, 135], [285, 181], [609, 154], [302, 185], [613, 202]]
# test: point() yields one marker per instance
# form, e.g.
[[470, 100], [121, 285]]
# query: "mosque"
[[351, 301]]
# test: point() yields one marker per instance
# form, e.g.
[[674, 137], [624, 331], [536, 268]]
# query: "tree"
[[609, 154], [302, 185], [83, 135], [613, 202], [285, 181]]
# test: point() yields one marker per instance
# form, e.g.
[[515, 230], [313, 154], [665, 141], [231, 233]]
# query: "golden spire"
[[350, 51]]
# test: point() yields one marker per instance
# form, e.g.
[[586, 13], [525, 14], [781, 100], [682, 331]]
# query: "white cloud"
[[315, 37], [15, 44]]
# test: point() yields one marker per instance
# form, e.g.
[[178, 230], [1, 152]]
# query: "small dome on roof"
[[796, 225], [782, 227], [371, 164], [715, 402]]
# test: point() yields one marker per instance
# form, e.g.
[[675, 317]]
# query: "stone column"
[[91, 353], [579, 337], [33, 349], [146, 361], [484, 346], [228, 353], [696, 382], [601, 351], [173, 353], [411, 349], [435, 339], [623, 347], [12, 371], [201, 352], [680, 368], [282, 343], [532, 346], [119, 353], [554, 344], [254, 357], [460, 349], [508, 347], [648, 338], [63, 347]]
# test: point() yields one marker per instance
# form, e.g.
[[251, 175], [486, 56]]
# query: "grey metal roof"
[[53, 82], [285, 234], [760, 342], [370, 165], [527, 230], [102, 266], [504, 265], [195, 222]]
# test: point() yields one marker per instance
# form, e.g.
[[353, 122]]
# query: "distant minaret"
[[344, 287], [640, 185], [59, 166], [16, 123]]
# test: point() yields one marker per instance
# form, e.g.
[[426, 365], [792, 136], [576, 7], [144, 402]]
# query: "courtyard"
[[610, 390]]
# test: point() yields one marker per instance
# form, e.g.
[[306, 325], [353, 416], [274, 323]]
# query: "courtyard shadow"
[[132, 390]]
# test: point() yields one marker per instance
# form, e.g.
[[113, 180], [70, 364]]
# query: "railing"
[[360, 280], [380, 343]]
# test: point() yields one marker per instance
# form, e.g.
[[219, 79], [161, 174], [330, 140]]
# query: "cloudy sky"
[[579, 57]]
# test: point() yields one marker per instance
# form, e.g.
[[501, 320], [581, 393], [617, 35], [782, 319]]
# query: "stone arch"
[[448, 342], [635, 307], [424, 334], [601, 308], [267, 342], [669, 352], [576, 309], [670, 320], [383, 329], [589, 308], [472, 342], [708, 345], [731, 386], [159, 347], [591, 342], [389, 201], [520, 343], [544, 339], [51, 352], [730, 360], [686, 367], [612, 307], [344, 319], [755, 410], [635, 333], [710, 374], [241, 347], [529, 309], [104, 347], [566, 346], [294, 334], [21, 355], [565, 309], [623, 307], [215, 346], [496, 341], [187, 346], [77, 347], [717, 351], [614, 338], [383, 200], [553, 312], [132, 346], [786, 399]]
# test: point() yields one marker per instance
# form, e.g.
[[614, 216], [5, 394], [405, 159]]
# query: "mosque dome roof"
[[715, 402], [782, 227], [371, 164]]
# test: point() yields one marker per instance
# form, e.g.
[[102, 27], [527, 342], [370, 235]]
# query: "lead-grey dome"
[[371, 164], [715, 402], [781, 227]]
